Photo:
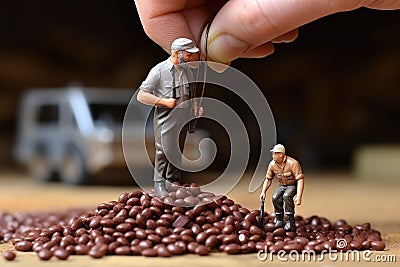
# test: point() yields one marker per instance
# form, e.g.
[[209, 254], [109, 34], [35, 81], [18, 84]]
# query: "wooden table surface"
[[333, 196]]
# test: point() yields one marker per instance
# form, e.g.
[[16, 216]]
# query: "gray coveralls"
[[170, 125]]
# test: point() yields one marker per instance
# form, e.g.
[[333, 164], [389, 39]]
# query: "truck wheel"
[[39, 166], [72, 169]]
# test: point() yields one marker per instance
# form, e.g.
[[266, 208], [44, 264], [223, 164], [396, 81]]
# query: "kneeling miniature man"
[[291, 184]]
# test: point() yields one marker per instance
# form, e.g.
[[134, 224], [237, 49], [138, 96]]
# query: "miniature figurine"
[[291, 184], [167, 87]]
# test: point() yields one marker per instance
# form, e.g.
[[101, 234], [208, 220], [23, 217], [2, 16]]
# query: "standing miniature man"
[[291, 183], [167, 88]]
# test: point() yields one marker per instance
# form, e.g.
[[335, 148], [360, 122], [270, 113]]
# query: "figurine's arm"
[[300, 189], [266, 185], [152, 100], [299, 176], [146, 90], [198, 111]]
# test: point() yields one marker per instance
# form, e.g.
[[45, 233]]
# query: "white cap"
[[278, 148], [184, 44]]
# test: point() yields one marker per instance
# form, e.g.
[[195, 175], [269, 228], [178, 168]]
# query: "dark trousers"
[[283, 199], [170, 133]]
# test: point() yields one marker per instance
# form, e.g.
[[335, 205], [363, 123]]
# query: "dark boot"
[[159, 187], [290, 225], [279, 220]]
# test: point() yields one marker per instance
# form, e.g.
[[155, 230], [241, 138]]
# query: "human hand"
[[241, 28]]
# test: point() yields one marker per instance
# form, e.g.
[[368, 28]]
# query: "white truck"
[[73, 133]]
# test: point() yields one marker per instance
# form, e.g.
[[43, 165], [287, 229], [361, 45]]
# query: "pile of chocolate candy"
[[185, 221]]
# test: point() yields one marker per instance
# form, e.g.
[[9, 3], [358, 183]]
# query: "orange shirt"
[[286, 172]]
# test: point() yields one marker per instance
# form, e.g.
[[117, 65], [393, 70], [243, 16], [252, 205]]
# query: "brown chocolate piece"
[[149, 252], [45, 254], [202, 250], [61, 254], [181, 221], [162, 251], [23, 246], [232, 248], [9, 255]]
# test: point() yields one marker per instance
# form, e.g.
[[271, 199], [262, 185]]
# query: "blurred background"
[[334, 92]]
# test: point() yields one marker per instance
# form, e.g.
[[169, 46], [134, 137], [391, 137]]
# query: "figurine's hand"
[[169, 102], [200, 112], [262, 196], [252, 29], [297, 200]]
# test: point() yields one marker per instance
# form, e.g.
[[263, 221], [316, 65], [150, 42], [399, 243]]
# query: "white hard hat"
[[278, 148], [184, 44]]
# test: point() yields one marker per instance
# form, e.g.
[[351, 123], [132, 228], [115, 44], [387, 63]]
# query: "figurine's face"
[[180, 57], [187, 57], [278, 157]]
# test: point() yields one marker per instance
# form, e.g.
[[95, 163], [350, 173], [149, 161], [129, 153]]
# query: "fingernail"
[[226, 48]]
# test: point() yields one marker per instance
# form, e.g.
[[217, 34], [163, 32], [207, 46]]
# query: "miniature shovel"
[[261, 222]]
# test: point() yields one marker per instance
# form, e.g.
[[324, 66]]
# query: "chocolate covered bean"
[[232, 248], [45, 254], [61, 254], [202, 250], [9, 255], [23, 246]]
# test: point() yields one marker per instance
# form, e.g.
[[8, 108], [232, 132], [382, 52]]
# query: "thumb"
[[243, 26]]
